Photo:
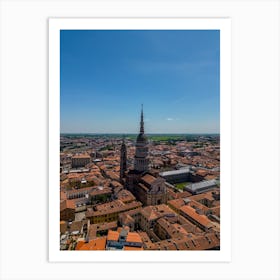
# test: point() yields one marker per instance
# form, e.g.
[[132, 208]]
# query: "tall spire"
[[141, 159], [142, 121]]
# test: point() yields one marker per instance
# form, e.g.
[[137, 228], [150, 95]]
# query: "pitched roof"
[[133, 237], [113, 235], [95, 244], [154, 212], [148, 178], [81, 156], [201, 219], [66, 204]]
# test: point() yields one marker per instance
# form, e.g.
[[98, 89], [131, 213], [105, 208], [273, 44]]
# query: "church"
[[147, 188]]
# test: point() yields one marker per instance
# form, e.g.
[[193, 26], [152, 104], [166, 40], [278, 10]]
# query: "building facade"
[[80, 160]]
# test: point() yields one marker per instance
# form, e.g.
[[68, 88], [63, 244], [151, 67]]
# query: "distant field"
[[166, 137], [153, 137]]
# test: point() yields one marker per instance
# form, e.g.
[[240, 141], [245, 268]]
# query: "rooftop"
[[132, 237], [113, 235], [196, 187], [174, 172], [66, 204], [148, 178], [201, 219], [95, 244], [154, 212], [112, 207], [81, 156]]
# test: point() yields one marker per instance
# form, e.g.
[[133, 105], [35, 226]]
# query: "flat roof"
[[200, 185], [174, 172]]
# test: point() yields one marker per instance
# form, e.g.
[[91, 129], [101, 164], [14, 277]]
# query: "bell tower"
[[123, 165]]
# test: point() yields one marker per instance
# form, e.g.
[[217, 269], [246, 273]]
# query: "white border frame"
[[222, 24]]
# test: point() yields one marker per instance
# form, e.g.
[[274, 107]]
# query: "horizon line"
[[98, 133]]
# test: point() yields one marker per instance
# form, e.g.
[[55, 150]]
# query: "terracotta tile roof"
[[77, 225], [87, 190], [176, 203], [76, 176], [95, 228], [100, 190], [149, 179], [183, 194], [119, 229], [109, 205], [116, 184], [112, 207], [113, 235], [154, 212], [95, 244], [112, 175], [125, 196], [201, 219], [81, 156], [205, 242], [127, 219], [180, 228], [133, 237], [197, 205], [66, 204]]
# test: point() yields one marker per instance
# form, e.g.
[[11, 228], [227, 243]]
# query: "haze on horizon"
[[106, 75]]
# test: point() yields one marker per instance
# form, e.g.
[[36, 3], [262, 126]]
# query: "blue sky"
[[107, 75]]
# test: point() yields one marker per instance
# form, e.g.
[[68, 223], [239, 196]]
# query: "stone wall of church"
[[156, 199]]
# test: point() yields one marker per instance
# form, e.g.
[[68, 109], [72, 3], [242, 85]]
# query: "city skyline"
[[157, 190], [107, 75]]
